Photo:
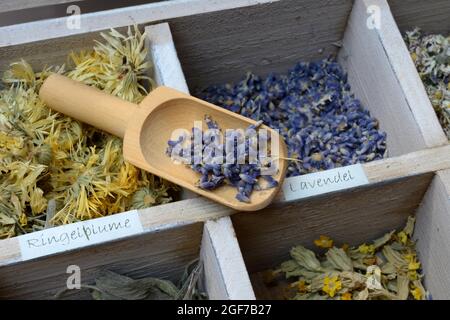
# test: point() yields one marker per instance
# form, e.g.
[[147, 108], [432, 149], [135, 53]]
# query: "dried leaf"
[[409, 228], [402, 287], [305, 258], [362, 295], [386, 269], [373, 275], [292, 269], [339, 259], [383, 240], [395, 258]]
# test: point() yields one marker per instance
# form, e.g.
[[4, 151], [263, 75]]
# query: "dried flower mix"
[[322, 123], [47, 157], [386, 269], [431, 55], [112, 286], [216, 166]]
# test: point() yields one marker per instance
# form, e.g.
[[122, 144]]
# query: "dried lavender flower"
[[321, 122], [216, 166], [431, 56]]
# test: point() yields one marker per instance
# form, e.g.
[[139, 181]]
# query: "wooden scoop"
[[147, 127]]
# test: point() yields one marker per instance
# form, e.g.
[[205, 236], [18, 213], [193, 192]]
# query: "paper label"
[[323, 182], [79, 234]]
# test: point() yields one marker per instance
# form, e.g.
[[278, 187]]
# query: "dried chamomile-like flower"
[[147, 197], [386, 269], [431, 55], [46, 157], [118, 65], [322, 123]]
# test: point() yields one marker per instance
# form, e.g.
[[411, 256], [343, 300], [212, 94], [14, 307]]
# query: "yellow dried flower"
[[323, 242], [20, 73], [414, 265], [23, 220], [346, 296], [302, 287], [37, 201], [331, 285], [417, 293], [147, 197], [366, 249], [403, 237]]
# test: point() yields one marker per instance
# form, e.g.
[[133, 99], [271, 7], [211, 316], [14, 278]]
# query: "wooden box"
[[201, 42]]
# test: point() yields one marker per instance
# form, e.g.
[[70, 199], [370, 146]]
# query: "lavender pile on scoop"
[[216, 166], [322, 123]]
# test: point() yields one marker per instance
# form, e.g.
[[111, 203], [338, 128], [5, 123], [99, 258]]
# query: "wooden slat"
[[162, 52], [226, 276], [432, 233], [55, 28], [12, 5], [383, 76], [431, 15], [418, 165], [221, 47]]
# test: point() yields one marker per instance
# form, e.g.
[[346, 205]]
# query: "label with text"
[[79, 234], [323, 182]]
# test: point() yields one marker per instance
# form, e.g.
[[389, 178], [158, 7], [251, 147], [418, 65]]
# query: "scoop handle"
[[87, 104]]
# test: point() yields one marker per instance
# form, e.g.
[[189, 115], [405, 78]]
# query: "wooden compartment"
[[354, 217], [432, 17], [219, 47], [161, 251], [161, 52]]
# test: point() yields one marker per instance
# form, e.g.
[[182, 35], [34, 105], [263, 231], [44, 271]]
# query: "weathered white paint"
[[55, 28]]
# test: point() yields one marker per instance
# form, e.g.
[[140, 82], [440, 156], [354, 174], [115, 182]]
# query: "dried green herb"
[[386, 269], [46, 156], [112, 286], [431, 55]]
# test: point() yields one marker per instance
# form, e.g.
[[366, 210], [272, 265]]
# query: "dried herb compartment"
[[280, 34], [432, 19], [163, 251], [354, 217]]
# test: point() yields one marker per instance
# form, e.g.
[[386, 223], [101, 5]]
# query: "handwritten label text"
[[322, 182], [79, 234]]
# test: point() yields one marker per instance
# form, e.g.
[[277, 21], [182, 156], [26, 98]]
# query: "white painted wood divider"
[[432, 234]]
